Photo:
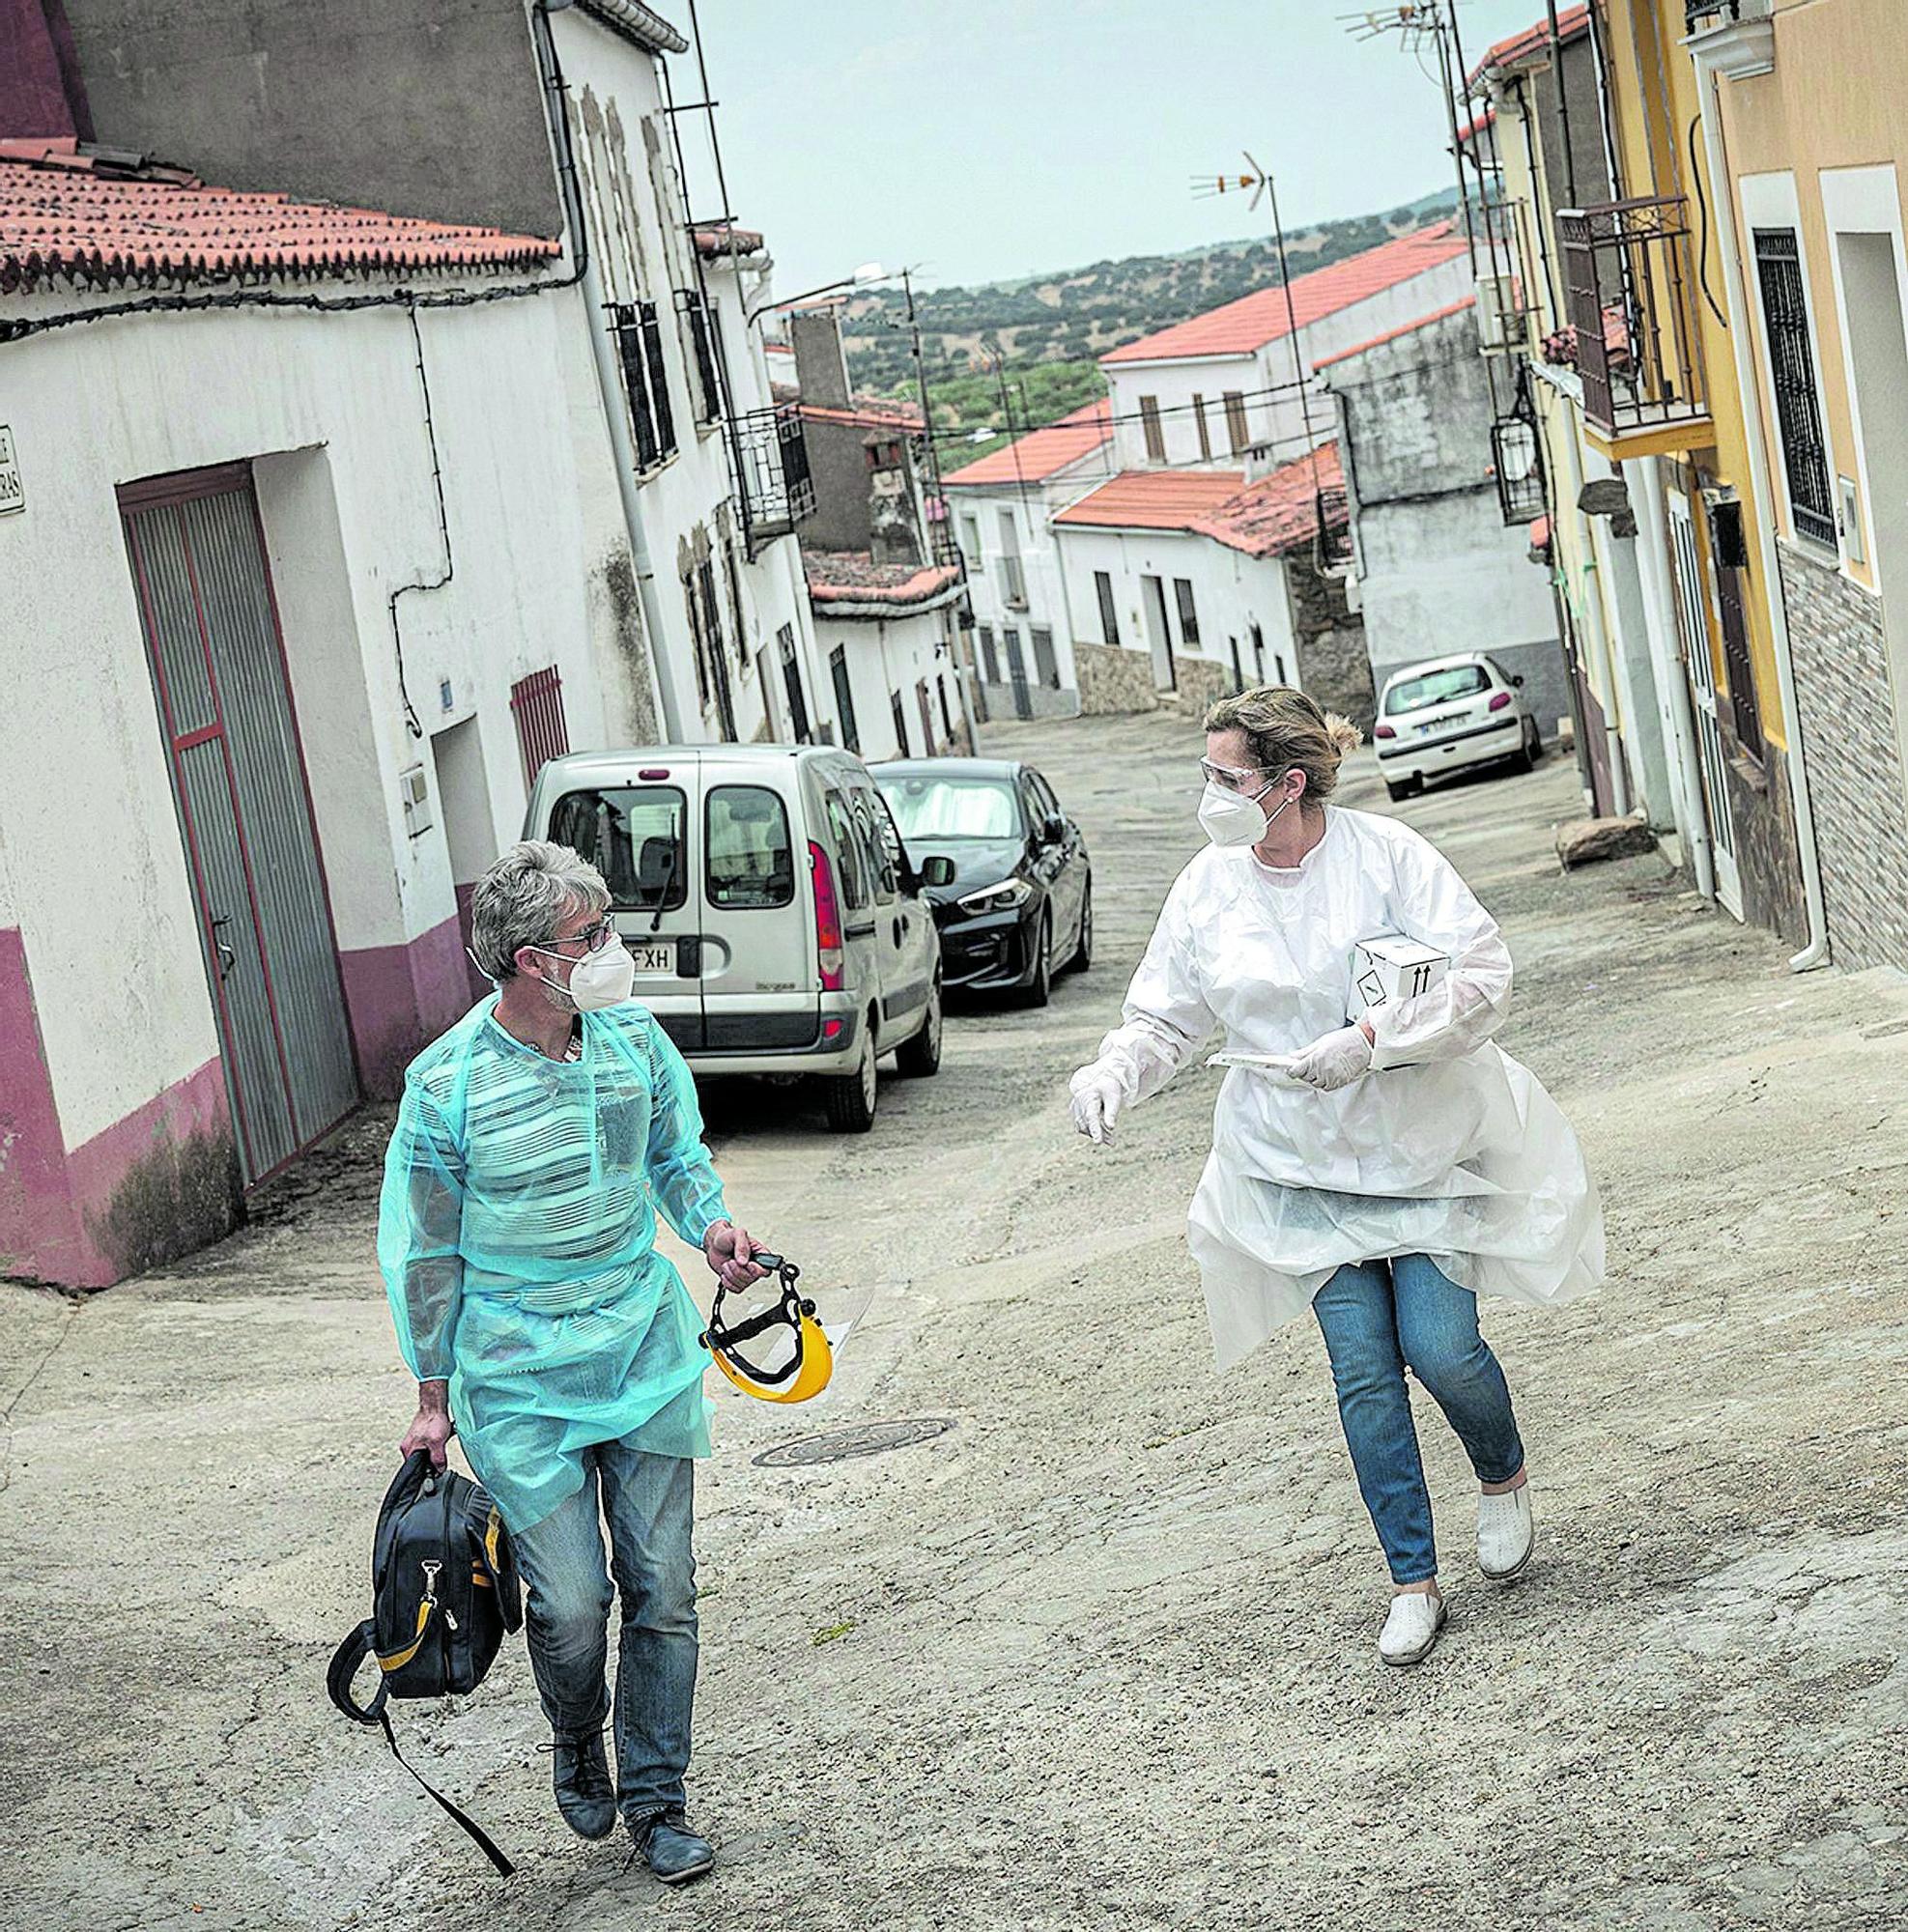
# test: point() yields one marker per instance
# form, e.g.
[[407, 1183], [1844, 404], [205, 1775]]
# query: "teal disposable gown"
[[517, 1233]]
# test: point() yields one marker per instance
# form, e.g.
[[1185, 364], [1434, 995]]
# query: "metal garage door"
[[238, 774]]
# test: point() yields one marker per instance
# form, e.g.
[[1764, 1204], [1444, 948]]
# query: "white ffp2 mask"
[[1231, 818], [601, 978]]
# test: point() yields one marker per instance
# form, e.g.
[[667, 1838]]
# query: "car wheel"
[[1083, 953], [1039, 988], [1404, 788], [1526, 759], [851, 1098], [916, 1058]]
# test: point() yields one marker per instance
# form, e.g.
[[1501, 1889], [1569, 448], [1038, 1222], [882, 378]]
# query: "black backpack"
[[444, 1591]]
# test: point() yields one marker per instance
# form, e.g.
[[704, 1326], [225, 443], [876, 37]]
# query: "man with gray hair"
[[517, 1233]]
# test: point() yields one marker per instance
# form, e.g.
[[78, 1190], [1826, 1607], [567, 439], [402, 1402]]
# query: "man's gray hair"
[[523, 899]]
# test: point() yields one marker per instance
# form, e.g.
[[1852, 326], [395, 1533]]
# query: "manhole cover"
[[862, 1439]]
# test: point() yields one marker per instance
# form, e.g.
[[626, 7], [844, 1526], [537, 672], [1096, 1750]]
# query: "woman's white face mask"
[[1231, 819]]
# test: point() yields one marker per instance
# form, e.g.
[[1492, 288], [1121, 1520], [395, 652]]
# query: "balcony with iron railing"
[[1629, 296], [773, 483]]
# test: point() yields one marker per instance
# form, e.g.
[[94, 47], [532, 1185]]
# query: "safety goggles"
[[1235, 778]]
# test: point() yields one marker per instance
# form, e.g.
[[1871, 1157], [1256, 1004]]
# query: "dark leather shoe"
[[671, 1849], [584, 1795]]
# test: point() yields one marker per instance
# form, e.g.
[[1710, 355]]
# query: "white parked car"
[[1451, 715], [778, 923]]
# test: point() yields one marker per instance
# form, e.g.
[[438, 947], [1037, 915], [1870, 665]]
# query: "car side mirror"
[[937, 871], [1518, 680], [1054, 831]]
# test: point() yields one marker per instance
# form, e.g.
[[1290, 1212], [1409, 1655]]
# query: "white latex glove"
[[1095, 1106], [1332, 1062]]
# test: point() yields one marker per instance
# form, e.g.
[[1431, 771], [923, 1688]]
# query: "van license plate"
[[654, 959]]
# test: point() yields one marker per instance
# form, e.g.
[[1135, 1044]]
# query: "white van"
[[777, 923]]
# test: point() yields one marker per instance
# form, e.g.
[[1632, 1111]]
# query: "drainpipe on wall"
[[1723, 203], [608, 380], [1672, 683]]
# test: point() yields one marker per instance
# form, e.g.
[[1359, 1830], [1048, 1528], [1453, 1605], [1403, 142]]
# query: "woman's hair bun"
[[1345, 735]]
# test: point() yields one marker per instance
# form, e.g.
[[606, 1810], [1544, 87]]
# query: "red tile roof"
[[720, 238], [1240, 327], [1280, 512], [867, 412], [1457, 307], [853, 577], [1053, 448], [1533, 39], [1153, 499], [66, 214], [1477, 124]]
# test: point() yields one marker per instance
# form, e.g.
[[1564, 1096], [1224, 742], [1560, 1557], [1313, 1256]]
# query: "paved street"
[[1102, 1653]]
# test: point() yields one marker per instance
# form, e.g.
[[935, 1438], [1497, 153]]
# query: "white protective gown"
[[1446, 1147]]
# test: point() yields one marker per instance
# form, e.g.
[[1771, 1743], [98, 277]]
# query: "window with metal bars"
[[1792, 379], [536, 704], [645, 379], [693, 305]]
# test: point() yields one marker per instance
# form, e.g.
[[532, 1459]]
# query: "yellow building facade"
[[1658, 498], [1803, 117]]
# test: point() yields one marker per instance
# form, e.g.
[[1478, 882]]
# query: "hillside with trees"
[[1040, 336]]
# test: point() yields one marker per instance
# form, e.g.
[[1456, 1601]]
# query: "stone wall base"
[[1113, 680], [1854, 777]]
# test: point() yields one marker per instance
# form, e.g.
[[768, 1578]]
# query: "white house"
[[307, 594], [1023, 634], [1201, 583], [886, 630], [1211, 390]]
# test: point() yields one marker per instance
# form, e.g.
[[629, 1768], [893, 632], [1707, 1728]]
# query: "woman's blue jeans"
[[647, 1502], [1380, 1319]]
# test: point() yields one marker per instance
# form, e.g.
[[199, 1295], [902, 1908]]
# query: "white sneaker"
[[1411, 1629], [1506, 1533]]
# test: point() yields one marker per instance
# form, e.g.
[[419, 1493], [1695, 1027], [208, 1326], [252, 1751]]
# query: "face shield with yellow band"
[[769, 1340]]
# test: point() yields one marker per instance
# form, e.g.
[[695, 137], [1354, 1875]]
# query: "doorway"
[[210, 625], [1158, 633], [1693, 627]]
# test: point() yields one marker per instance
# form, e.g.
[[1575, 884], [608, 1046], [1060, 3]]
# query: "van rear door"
[[759, 986], [640, 830]]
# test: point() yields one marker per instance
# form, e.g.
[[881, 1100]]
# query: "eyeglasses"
[[593, 937], [1232, 779]]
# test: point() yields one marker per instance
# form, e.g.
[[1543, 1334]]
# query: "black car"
[[1020, 908]]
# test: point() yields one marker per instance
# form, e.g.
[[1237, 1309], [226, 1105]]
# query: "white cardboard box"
[[1388, 967]]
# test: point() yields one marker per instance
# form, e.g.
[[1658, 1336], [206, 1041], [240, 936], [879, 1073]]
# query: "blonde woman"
[[1383, 1172]]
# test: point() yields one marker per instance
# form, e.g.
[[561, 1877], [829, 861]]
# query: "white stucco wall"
[[350, 513], [1277, 420], [1231, 591], [635, 209], [888, 655], [982, 535]]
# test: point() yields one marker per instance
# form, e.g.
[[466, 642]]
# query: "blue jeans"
[[1381, 1317], [647, 1502]]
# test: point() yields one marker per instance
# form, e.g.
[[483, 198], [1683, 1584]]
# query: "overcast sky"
[[981, 139]]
